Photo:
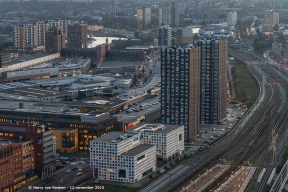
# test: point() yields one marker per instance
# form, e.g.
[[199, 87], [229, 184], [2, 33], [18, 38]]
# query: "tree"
[[276, 27]]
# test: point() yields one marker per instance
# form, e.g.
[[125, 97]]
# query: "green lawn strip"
[[246, 85]]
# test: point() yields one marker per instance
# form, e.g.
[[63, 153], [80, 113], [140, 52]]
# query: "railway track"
[[253, 135], [238, 134], [269, 160]]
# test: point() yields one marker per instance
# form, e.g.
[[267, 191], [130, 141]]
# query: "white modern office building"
[[121, 157], [169, 139]]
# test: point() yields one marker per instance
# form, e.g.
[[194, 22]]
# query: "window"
[[180, 137], [141, 157]]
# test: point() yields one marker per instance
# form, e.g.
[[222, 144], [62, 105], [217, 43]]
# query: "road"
[[69, 179], [152, 81]]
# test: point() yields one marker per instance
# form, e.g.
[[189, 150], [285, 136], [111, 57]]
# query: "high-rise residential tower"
[[180, 88], [25, 35], [214, 59], [164, 36], [55, 40], [77, 35], [232, 18]]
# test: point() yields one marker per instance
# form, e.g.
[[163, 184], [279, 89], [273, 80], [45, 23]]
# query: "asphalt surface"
[[62, 180]]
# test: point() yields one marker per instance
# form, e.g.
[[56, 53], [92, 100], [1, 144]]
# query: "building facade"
[[165, 16], [120, 157], [55, 40], [77, 35], [169, 139], [44, 143], [184, 36], [271, 18], [164, 36], [4, 39], [214, 59], [180, 85], [232, 18], [144, 16], [5, 59], [42, 28]]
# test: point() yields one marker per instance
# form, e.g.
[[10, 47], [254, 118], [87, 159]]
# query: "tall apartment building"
[[25, 35], [169, 16], [42, 28], [232, 18], [179, 4], [165, 16], [184, 36], [213, 84], [175, 12], [144, 16], [121, 157], [164, 36], [271, 18], [77, 35], [180, 85], [64, 24], [55, 40]]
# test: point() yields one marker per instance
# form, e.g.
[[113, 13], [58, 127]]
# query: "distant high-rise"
[[175, 12], [42, 28], [180, 88], [179, 4], [169, 16], [165, 16], [25, 35], [60, 23], [77, 35], [232, 18], [214, 59], [55, 40], [271, 18], [165, 36], [144, 16]]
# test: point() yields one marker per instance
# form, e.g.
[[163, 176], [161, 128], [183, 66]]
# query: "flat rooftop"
[[70, 63], [29, 57], [137, 150], [111, 64], [156, 128], [88, 102], [32, 93], [115, 136]]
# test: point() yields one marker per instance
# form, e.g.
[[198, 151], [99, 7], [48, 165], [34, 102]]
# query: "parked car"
[[173, 164], [73, 168], [178, 159], [72, 159], [213, 129], [186, 155], [68, 170], [167, 167], [152, 176], [161, 171], [97, 181], [192, 153]]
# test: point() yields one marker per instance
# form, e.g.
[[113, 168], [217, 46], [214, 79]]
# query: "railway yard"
[[246, 157]]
